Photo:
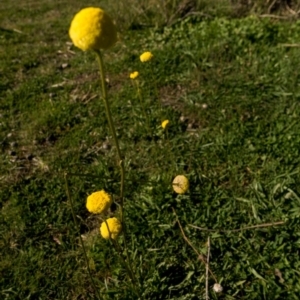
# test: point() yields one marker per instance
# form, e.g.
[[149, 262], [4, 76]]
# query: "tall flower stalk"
[[146, 57], [121, 162], [134, 76], [112, 129], [93, 29]]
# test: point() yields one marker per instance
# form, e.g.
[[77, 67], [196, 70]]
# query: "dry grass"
[[146, 13]]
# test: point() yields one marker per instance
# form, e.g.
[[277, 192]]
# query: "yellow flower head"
[[114, 226], [98, 202], [180, 184], [92, 28], [165, 123], [134, 75], [146, 56]]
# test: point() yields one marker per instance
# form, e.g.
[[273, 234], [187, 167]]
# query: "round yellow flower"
[[146, 56], [92, 28], [114, 226], [98, 202], [165, 123], [134, 75], [180, 184]]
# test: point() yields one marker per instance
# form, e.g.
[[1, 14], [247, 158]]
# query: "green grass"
[[230, 88]]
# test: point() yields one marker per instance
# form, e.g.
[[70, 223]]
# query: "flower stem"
[[171, 154], [128, 267], [80, 238], [120, 157], [112, 129], [155, 87], [143, 106]]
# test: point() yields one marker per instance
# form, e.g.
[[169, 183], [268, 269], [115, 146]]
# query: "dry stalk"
[[207, 268], [239, 229], [290, 45], [271, 6], [200, 257], [274, 16]]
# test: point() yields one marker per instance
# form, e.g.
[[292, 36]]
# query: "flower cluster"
[[134, 75], [180, 184], [110, 228], [165, 123], [98, 202], [146, 56], [92, 29]]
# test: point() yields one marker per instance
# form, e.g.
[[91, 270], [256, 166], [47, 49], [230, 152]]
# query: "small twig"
[[200, 257], [289, 45], [17, 31], [271, 6], [294, 13], [274, 16], [11, 30], [70, 51], [207, 268], [239, 229]]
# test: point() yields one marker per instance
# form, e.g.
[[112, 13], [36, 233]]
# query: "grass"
[[230, 88]]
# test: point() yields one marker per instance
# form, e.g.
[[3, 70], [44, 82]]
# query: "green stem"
[[80, 238], [121, 159], [168, 143], [143, 106], [155, 86], [128, 267], [112, 128], [171, 154]]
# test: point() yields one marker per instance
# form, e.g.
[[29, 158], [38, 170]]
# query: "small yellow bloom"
[[114, 226], [165, 123], [98, 202], [92, 28], [134, 75], [146, 56], [180, 184]]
